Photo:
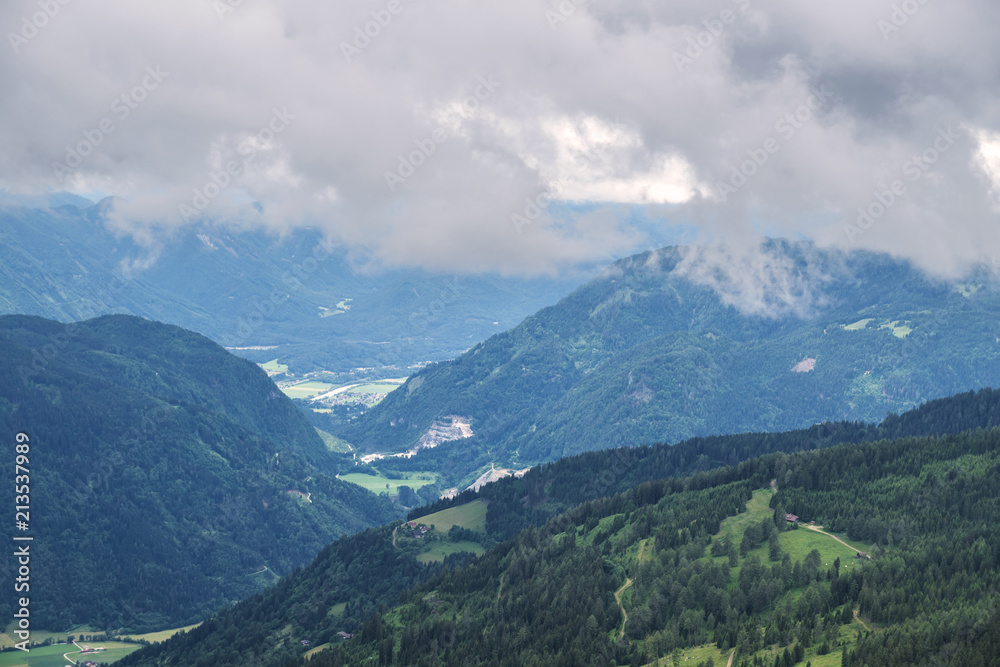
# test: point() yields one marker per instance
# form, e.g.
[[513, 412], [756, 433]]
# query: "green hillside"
[[675, 564], [643, 354], [267, 296], [167, 476], [352, 578]]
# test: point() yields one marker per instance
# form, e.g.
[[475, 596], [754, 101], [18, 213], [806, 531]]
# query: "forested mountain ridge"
[[168, 477], [310, 604], [312, 303], [646, 353], [697, 572]]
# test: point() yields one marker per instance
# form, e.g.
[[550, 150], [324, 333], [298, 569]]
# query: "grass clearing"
[[471, 516], [313, 651], [274, 367], [162, 635], [337, 609], [332, 442], [375, 388], [306, 389], [899, 330], [380, 484], [859, 325], [438, 550], [7, 639], [52, 656]]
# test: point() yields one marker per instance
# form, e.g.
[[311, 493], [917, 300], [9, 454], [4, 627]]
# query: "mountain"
[[310, 303], [352, 578], [652, 351], [167, 476], [906, 571]]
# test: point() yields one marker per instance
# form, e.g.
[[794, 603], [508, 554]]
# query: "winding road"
[[618, 593]]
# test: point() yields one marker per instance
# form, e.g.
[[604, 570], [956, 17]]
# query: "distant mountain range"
[[651, 351], [308, 303], [167, 476]]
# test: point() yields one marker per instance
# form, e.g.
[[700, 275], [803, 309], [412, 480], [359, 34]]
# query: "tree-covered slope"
[[672, 565], [312, 303], [168, 477], [646, 353], [348, 582]]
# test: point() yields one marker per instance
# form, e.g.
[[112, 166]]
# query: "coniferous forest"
[[710, 557]]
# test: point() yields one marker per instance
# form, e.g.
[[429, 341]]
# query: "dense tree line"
[[914, 498], [607, 517], [516, 503]]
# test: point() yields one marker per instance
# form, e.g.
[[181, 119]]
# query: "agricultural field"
[[438, 550], [374, 388], [859, 325], [274, 368], [306, 389], [154, 637], [52, 656], [380, 484], [471, 516]]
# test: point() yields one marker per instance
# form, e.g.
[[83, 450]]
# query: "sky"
[[521, 137]]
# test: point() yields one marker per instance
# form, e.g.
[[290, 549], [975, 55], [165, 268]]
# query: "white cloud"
[[596, 106]]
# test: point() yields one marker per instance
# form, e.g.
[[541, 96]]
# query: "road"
[[628, 582], [818, 529], [618, 599]]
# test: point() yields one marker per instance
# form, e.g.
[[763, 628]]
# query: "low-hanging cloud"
[[429, 133]]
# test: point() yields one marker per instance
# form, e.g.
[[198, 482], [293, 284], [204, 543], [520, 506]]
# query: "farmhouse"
[[344, 635], [791, 518]]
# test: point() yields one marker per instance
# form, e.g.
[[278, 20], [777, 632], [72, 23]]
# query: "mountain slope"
[[646, 353], [353, 577], [313, 304], [558, 595], [168, 477]]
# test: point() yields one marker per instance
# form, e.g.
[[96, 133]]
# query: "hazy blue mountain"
[[645, 354], [168, 477], [318, 306]]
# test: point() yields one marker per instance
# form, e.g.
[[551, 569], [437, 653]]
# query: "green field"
[[899, 330], [859, 325], [470, 515], [332, 442], [7, 639], [379, 484], [437, 552], [375, 388], [306, 389], [274, 367], [162, 635], [52, 656]]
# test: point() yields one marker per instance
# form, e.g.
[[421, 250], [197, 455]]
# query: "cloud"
[[740, 118]]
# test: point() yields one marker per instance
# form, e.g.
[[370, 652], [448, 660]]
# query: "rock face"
[[456, 428]]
